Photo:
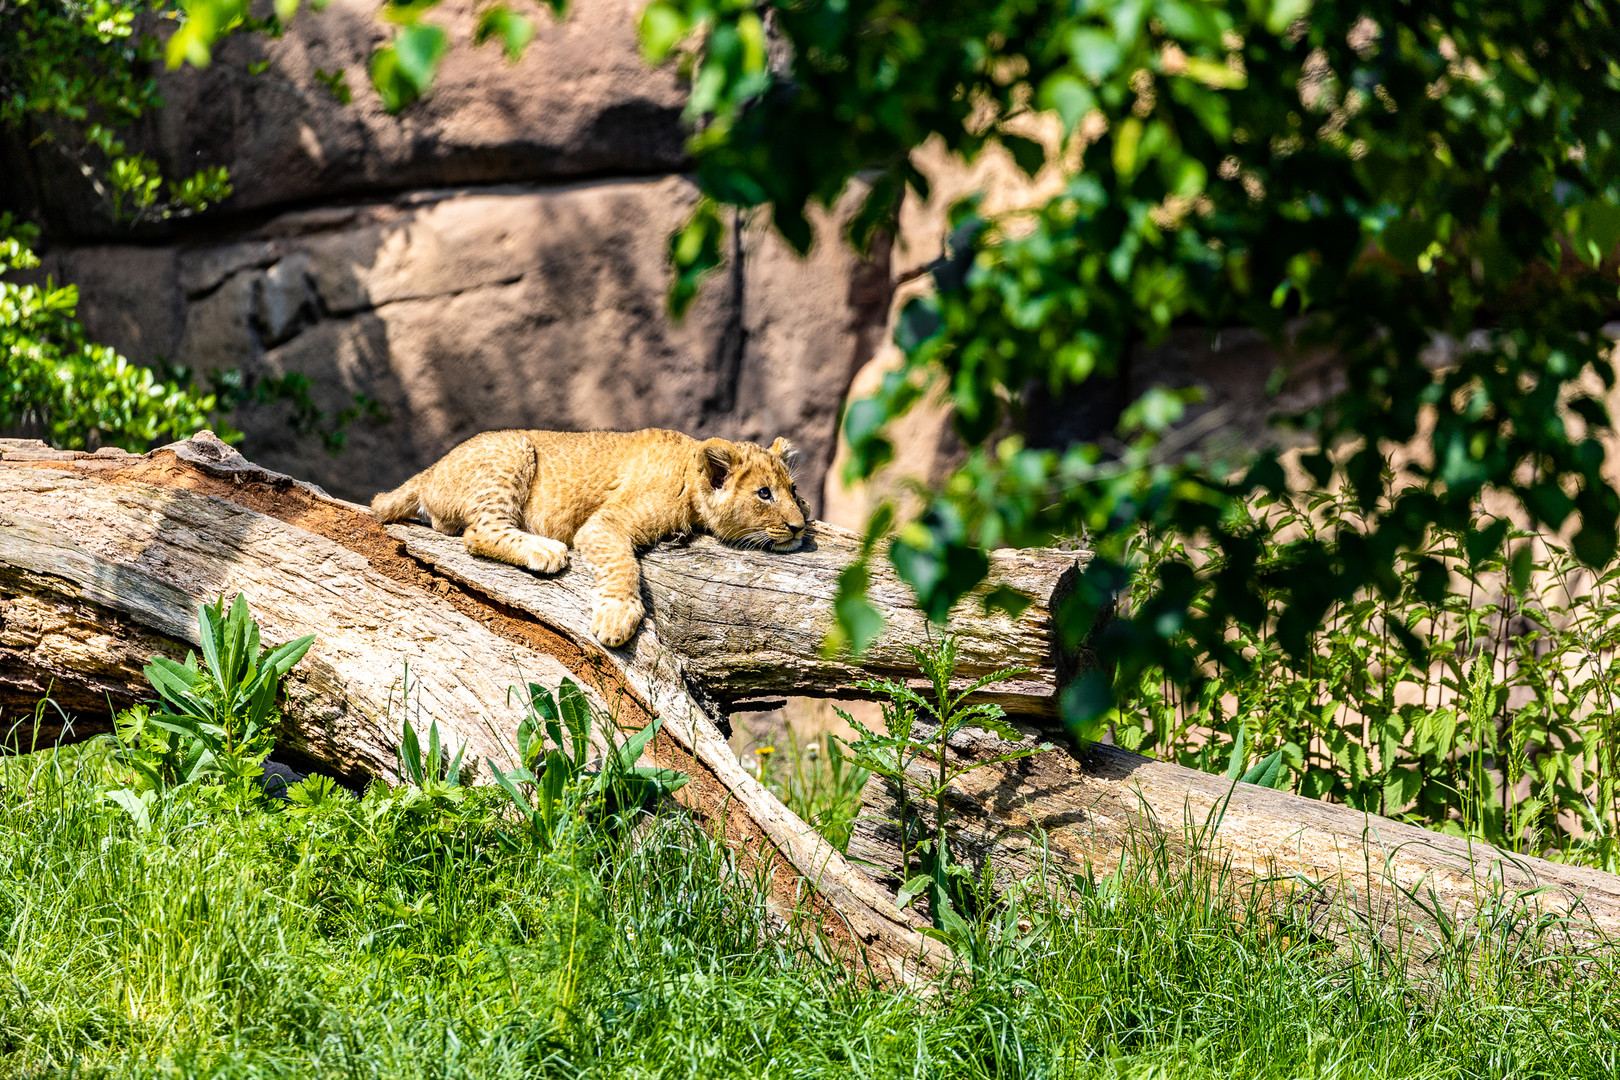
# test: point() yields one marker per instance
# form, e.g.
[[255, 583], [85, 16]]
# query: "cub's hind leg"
[[494, 513], [517, 547]]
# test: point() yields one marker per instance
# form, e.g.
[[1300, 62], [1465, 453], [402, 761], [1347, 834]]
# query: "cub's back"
[[584, 455], [576, 472]]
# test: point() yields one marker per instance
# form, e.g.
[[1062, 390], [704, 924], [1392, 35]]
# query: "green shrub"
[[911, 756], [217, 723], [1505, 731], [556, 788], [73, 392]]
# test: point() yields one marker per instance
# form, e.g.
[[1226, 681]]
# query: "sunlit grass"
[[394, 937]]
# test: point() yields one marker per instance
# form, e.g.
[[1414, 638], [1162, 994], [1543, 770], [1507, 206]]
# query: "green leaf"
[[541, 701], [1214, 73], [1127, 147], [1270, 772], [695, 252], [174, 683], [576, 711], [663, 26], [1401, 787], [1519, 568], [912, 889], [1595, 542], [940, 574], [134, 806], [863, 419], [314, 790], [665, 781], [241, 640], [1481, 543], [1283, 13], [395, 89], [1192, 22], [954, 929], [1597, 230], [405, 12], [283, 658], [919, 322], [1086, 703], [1095, 51], [410, 755], [512, 792], [212, 634], [1068, 96], [553, 787], [1157, 410], [191, 726], [1446, 721], [260, 703], [554, 732], [857, 621], [1238, 754], [514, 30], [418, 50], [631, 751]]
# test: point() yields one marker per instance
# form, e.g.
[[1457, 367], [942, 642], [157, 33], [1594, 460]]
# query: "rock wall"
[[494, 258]]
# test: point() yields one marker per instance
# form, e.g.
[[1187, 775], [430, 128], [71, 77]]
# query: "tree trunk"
[[103, 559]]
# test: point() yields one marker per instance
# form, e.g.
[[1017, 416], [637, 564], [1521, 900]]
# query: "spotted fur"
[[526, 497]]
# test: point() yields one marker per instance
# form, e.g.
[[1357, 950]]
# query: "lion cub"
[[525, 497]]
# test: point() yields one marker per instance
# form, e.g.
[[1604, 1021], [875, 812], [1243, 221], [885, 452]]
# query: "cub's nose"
[[796, 529]]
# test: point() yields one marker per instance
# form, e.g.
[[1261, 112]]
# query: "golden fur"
[[526, 497]]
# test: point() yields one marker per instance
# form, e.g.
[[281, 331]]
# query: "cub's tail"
[[401, 504]]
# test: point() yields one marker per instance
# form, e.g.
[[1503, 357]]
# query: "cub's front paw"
[[614, 619], [545, 554]]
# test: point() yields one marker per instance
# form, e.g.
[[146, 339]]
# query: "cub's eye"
[[765, 493]]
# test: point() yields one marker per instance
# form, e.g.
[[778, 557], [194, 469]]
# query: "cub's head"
[[747, 495]]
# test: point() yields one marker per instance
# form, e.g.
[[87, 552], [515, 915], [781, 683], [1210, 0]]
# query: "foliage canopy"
[[1367, 178]]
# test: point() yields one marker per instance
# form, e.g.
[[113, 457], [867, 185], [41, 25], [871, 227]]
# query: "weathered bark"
[[1346, 875], [747, 625], [103, 558]]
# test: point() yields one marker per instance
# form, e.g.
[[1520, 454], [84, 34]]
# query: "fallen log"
[[104, 557]]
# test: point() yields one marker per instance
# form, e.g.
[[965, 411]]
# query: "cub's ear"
[[716, 457], [784, 450]]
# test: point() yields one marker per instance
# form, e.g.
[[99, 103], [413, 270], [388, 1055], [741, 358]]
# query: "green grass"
[[402, 936]]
